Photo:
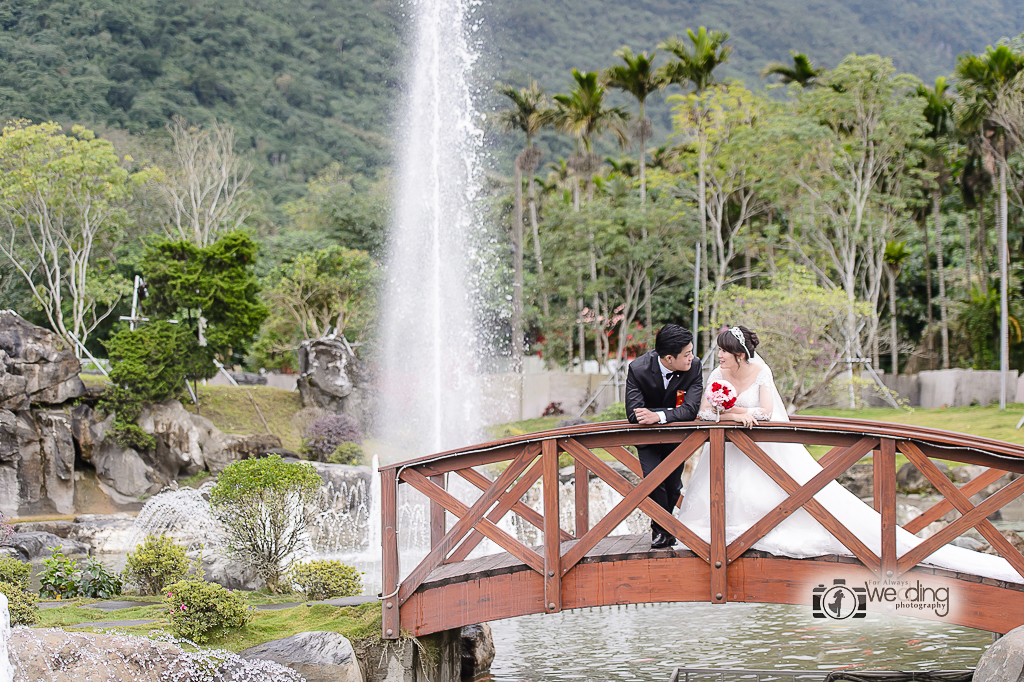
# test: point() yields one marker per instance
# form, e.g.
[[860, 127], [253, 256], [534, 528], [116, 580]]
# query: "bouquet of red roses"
[[721, 396]]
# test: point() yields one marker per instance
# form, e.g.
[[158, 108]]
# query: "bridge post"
[[389, 545], [437, 528], [552, 535], [885, 502], [582, 490], [718, 549]]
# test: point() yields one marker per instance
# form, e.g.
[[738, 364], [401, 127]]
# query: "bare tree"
[[61, 207], [207, 191]]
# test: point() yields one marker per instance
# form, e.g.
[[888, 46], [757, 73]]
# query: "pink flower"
[[182, 607]]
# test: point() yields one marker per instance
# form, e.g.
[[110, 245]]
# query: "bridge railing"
[[535, 457]]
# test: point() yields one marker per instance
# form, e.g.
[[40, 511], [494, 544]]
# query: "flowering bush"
[[324, 579], [325, 434], [158, 562], [722, 396], [195, 608]]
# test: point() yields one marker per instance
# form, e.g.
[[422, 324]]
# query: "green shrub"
[[613, 412], [23, 605], [62, 578], [58, 579], [266, 504], [155, 564], [346, 453], [325, 435], [96, 582], [195, 608], [324, 579], [14, 571]]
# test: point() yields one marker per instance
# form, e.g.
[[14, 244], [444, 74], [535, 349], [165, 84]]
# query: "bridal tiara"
[[735, 331]]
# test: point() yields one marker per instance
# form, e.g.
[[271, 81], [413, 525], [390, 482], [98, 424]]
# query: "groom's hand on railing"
[[645, 416]]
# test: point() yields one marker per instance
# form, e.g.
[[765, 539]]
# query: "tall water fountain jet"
[[429, 394]]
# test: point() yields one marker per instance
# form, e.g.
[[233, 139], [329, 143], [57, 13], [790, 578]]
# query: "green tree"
[[801, 71], [991, 107], [212, 290], [583, 114], [148, 364], [315, 292], [695, 64], [852, 175], [638, 77], [61, 206], [529, 113], [266, 504], [896, 254], [938, 111]]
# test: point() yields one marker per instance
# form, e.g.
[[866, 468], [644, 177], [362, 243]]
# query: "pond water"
[[647, 641]]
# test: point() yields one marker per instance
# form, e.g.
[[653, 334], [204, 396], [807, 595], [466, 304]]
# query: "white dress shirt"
[[666, 376]]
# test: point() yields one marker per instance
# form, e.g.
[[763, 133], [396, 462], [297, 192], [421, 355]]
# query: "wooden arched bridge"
[[586, 566]]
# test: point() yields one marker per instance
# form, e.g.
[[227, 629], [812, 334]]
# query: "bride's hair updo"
[[730, 344]]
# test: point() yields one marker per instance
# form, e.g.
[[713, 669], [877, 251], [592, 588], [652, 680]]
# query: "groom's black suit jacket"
[[646, 388]]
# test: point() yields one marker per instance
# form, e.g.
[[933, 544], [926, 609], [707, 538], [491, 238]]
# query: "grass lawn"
[[231, 411], [977, 420], [355, 622]]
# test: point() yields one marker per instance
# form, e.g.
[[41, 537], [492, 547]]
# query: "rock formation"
[[331, 377], [47, 441], [317, 656]]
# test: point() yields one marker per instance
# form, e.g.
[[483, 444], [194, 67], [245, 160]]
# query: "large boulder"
[[1004, 660], [44, 468], [317, 656], [859, 480], [43, 359], [179, 438], [104, 532], [224, 448], [56, 655], [123, 473], [910, 480], [477, 650], [331, 377], [10, 455], [220, 568], [37, 545], [13, 395]]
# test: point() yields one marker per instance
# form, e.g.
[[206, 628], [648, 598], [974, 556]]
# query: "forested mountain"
[[545, 39], [307, 82], [303, 82]]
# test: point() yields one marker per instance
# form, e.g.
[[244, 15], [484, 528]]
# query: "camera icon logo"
[[839, 601]]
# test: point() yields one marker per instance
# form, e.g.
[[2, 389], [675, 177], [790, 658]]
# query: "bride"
[[750, 493]]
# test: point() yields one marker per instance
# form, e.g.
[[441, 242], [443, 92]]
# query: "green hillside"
[[304, 82], [544, 39], [308, 82]]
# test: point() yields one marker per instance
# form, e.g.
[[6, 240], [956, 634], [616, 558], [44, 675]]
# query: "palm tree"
[[938, 111], [990, 106], [582, 113], [802, 71], [528, 114], [638, 77], [695, 64], [896, 253]]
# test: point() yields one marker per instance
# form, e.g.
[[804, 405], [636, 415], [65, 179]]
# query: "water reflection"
[[647, 642]]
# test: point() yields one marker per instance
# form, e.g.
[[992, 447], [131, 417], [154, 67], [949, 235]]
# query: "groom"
[[664, 385]]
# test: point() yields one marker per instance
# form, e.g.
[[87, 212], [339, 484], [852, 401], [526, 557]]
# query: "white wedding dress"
[[750, 494]]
